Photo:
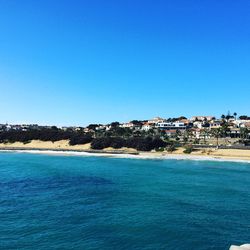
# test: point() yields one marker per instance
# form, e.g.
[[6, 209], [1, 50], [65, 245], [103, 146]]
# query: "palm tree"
[[235, 115], [217, 132], [228, 116], [205, 133]]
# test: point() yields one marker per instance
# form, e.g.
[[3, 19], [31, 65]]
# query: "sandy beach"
[[63, 147]]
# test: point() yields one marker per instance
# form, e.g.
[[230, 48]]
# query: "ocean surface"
[[75, 202]]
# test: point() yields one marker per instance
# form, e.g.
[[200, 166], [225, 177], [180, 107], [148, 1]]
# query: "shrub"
[[145, 144], [117, 142], [196, 141], [171, 148], [188, 149], [105, 142], [161, 149], [26, 142], [80, 139], [101, 143], [142, 144]]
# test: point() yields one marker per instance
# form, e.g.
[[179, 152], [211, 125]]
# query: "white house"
[[127, 125], [146, 126], [171, 125]]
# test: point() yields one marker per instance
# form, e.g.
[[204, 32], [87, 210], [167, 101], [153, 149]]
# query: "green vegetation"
[[53, 134], [142, 144], [161, 149], [188, 149], [171, 148], [117, 138], [141, 135]]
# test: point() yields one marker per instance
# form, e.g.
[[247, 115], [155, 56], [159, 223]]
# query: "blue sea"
[[76, 202]]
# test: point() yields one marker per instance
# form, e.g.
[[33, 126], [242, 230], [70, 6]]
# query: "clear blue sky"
[[79, 62]]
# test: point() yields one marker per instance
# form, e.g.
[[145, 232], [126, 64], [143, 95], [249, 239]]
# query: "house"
[[185, 121], [86, 130], [234, 133], [246, 125], [171, 133], [197, 124], [215, 124], [156, 120], [147, 126], [170, 125], [127, 125]]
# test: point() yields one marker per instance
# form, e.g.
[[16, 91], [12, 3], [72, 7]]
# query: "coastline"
[[125, 154]]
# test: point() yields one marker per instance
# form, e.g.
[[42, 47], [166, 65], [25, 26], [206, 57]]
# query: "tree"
[[188, 149], [204, 134], [171, 148], [117, 131], [217, 133], [80, 139], [189, 133], [223, 117], [224, 129], [243, 117], [182, 118], [137, 133], [137, 123], [151, 132], [244, 133], [114, 124], [228, 116], [235, 115], [93, 126]]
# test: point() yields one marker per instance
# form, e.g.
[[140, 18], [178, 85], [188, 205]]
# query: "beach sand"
[[203, 154]]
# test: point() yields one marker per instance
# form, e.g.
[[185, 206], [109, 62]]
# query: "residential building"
[[147, 126], [156, 120], [215, 124], [170, 125]]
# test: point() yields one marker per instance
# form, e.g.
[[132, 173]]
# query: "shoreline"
[[91, 151], [124, 154]]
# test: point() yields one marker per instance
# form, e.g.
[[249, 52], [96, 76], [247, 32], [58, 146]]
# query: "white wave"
[[130, 156]]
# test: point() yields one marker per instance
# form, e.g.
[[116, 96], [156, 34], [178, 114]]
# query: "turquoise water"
[[73, 202]]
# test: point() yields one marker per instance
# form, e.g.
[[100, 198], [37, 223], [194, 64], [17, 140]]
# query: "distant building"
[[86, 130], [127, 125], [234, 133], [170, 125], [156, 120], [147, 126], [215, 124], [171, 133], [246, 125], [185, 121]]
